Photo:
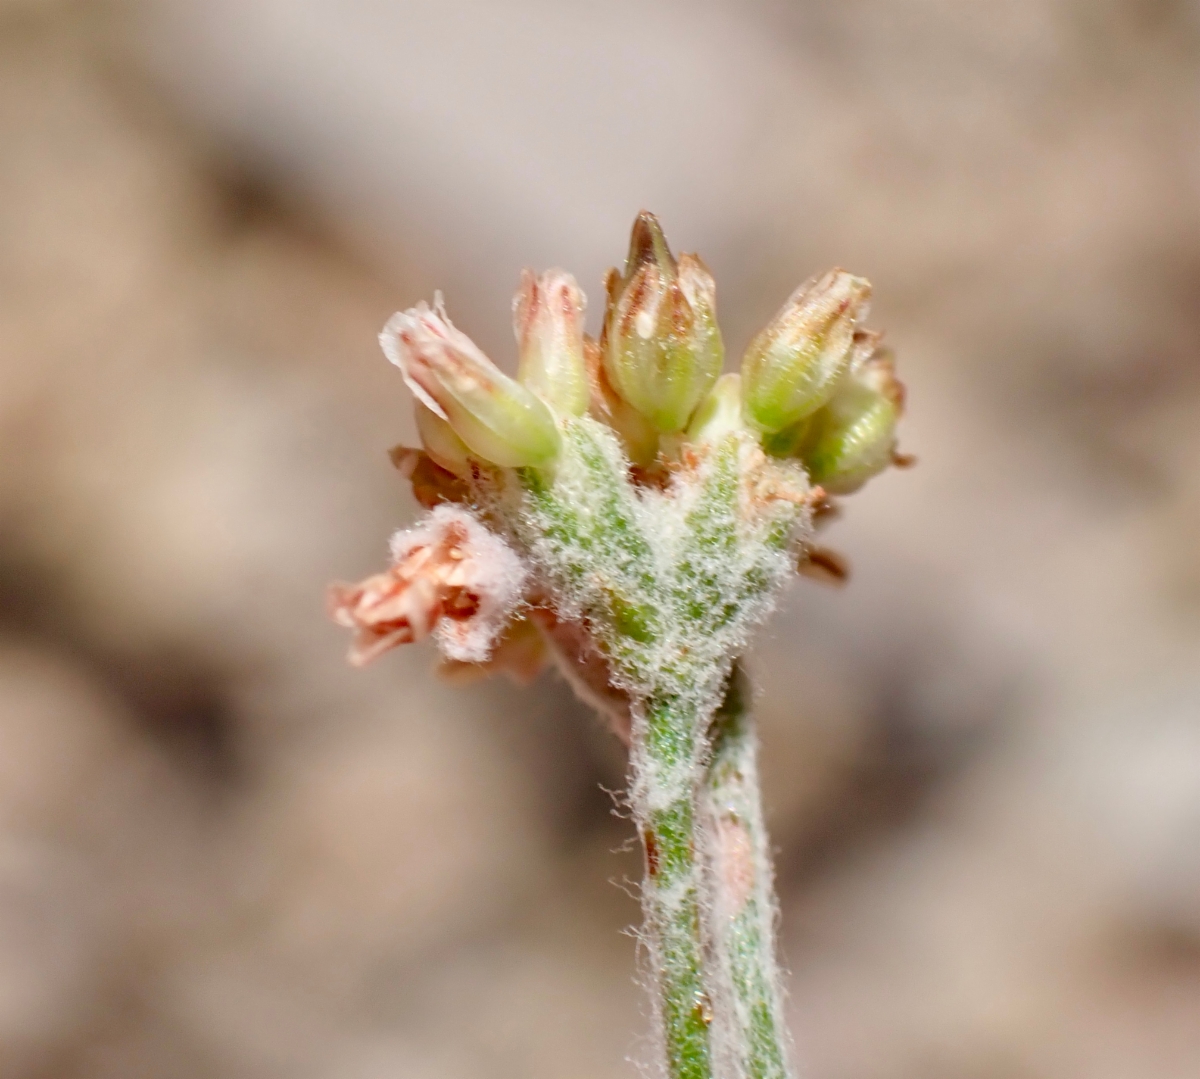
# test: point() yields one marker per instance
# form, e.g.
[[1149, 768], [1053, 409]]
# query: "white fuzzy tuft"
[[479, 564]]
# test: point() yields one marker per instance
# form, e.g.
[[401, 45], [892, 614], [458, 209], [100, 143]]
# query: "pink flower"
[[450, 578]]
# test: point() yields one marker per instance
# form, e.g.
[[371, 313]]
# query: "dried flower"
[[520, 655], [431, 483], [450, 577]]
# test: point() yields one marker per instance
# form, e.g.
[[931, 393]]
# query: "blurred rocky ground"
[[222, 853]]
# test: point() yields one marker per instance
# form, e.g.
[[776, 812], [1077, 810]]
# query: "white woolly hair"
[[486, 567]]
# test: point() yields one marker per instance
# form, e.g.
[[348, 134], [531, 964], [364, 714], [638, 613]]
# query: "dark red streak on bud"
[[635, 301], [679, 312]]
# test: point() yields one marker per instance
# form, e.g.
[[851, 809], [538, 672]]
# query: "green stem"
[[742, 912], [668, 741], [666, 587]]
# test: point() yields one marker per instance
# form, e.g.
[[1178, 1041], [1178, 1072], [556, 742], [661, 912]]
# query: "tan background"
[[224, 854]]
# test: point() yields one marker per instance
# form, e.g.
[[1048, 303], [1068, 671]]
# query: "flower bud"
[[792, 440], [792, 367], [788, 442], [638, 438], [720, 413], [498, 418], [854, 437], [440, 441], [662, 346], [548, 323]]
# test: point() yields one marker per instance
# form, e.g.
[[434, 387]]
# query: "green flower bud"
[[440, 441], [638, 438], [792, 367], [548, 323], [495, 416], [720, 413], [793, 439], [662, 347], [788, 442], [854, 437]]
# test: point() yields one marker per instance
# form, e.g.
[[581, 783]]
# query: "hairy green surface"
[[669, 582], [741, 927]]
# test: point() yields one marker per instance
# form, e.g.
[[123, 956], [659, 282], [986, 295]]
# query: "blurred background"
[[225, 854]]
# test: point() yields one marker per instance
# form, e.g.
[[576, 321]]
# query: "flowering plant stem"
[[638, 514], [742, 914], [709, 904], [671, 895], [708, 901]]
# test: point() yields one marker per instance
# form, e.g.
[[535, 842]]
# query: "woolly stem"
[[666, 584], [664, 759], [741, 912]]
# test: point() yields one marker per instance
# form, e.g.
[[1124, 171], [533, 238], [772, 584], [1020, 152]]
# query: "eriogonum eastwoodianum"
[[625, 510]]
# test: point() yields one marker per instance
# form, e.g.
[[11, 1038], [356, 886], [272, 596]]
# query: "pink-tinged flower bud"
[[496, 417], [662, 345], [854, 436], [792, 367], [548, 323], [720, 413]]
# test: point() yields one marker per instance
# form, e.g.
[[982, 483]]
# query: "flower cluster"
[[814, 387]]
